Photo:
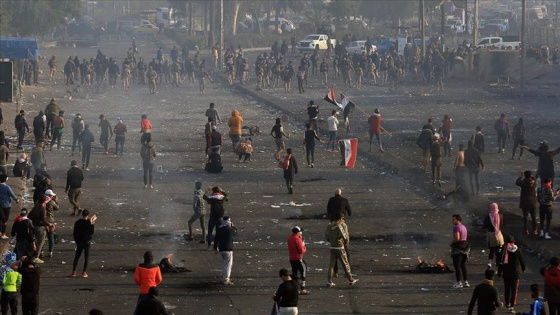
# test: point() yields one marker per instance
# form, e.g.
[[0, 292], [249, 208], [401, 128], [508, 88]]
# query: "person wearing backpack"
[[502, 128], [519, 132]]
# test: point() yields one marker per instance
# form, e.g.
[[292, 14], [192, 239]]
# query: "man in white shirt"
[[333, 127]]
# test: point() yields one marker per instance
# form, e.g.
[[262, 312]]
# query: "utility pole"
[[523, 41], [422, 28], [475, 23], [221, 48], [556, 15], [442, 8]]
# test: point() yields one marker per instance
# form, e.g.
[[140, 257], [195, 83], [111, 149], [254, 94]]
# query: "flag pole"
[[367, 115]]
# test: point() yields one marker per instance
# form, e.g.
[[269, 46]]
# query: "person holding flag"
[[347, 106]]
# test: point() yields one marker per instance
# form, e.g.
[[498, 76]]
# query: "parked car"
[[498, 42], [358, 46], [283, 24], [311, 40]]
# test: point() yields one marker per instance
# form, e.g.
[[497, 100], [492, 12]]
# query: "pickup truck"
[[496, 42], [309, 42]]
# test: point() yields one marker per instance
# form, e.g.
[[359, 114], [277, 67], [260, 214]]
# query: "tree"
[[31, 17]]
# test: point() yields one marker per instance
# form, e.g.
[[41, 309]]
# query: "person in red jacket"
[[147, 275], [374, 122], [551, 273], [296, 250]]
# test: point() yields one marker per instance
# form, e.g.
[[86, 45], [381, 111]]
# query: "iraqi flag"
[[331, 97], [348, 152], [346, 105]]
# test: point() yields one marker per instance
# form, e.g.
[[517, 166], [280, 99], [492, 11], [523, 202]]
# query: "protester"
[[78, 126], [374, 122], [22, 167], [74, 179], [546, 197], [11, 283], [338, 205], [30, 283], [459, 252], [120, 130], [502, 128], [528, 199], [213, 115], [6, 197], [86, 138], [287, 294], [235, 122], [223, 242], [199, 212], [519, 132], [424, 142], [151, 305], [83, 231], [146, 276], [214, 162], [22, 128], [216, 200], [492, 225], [296, 251], [474, 163], [338, 236], [278, 134], [23, 230], [51, 208], [545, 167], [38, 156], [511, 267], [105, 131], [38, 216], [333, 127], [478, 139], [290, 167], [551, 274], [436, 153], [445, 132], [58, 130], [538, 305], [487, 296], [148, 154]]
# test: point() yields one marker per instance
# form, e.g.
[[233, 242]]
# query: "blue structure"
[[19, 48]]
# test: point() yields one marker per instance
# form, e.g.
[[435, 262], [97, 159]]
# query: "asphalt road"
[[392, 223]]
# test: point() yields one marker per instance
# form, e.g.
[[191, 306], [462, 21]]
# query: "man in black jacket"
[[528, 199], [87, 139], [338, 205], [74, 179], [21, 126], [30, 282], [216, 200], [487, 296], [473, 162], [287, 294], [24, 232], [151, 305], [223, 242], [83, 230]]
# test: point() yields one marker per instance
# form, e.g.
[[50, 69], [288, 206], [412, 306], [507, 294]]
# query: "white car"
[[359, 46]]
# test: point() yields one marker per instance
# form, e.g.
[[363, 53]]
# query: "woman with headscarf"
[[494, 239]]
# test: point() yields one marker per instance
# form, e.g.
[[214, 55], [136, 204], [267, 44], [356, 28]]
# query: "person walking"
[[6, 197], [459, 251], [436, 153], [78, 126], [212, 114], [278, 134], [223, 242], [50, 112], [337, 236], [216, 201], [502, 129], [445, 132], [474, 163], [528, 200], [148, 154], [511, 267], [22, 128], [39, 122], [146, 275], [487, 296], [38, 156], [374, 122], [296, 251], [290, 167], [478, 138], [105, 131], [519, 132], [86, 138], [492, 225], [235, 122], [4, 156], [551, 274], [74, 179], [120, 130], [38, 216], [199, 212], [546, 197], [51, 208], [332, 122], [286, 295], [309, 142], [460, 169], [83, 231], [24, 232], [424, 142], [58, 130]]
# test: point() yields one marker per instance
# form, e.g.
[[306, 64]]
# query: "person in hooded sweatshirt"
[[487, 296], [551, 274], [511, 268], [146, 275]]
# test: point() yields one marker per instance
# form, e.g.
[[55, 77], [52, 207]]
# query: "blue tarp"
[[19, 48]]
